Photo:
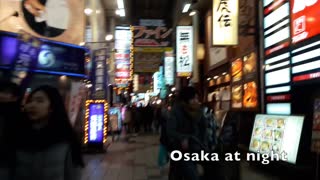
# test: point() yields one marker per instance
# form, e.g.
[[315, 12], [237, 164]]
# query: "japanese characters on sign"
[[225, 22], [304, 19], [26, 58], [145, 36], [169, 69], [99, 74], [96, 122], [184, 61], [123, 38]]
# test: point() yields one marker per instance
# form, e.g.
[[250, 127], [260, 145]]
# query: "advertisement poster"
[[184, 51], [96, 123], [277, 133], [250, 64], [236, 96], [236, 70], [99, 74], [315, 147], [77, 95], [304, 19], [61, 20], [250, 95], [225, 22], [114, 119], [147, 62], [145, 36]]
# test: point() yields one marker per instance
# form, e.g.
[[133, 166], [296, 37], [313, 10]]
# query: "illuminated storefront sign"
[[152, 36], [99, 73], [169, 70], [304, 19], [96, 121], [225, 22], [184, 51], [123, 65]]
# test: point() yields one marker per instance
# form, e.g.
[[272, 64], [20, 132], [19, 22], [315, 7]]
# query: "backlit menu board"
[[278, 134], [304, 19], [236, 97], [236, 70], [276, 25]]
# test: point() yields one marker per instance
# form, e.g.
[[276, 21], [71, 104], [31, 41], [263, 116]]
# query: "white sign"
[[217, 55], [184, 50], [225, 22], [169, 70]]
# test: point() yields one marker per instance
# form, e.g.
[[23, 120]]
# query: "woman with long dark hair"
[[46, 145]]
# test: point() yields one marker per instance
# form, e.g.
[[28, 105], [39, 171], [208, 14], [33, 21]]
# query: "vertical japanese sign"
[[152, 36], [316, 127], [96, 122], [169, 68], [99, 88], [184, 51], [123, 37], [26, 59], [225, 22]]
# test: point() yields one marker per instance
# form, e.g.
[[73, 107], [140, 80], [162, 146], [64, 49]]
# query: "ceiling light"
[[216, 77], [120, 4], [225, 73], [192, 13], [118, 12], [82, 44], [186, 8], [109, 37], [87, 11], [122, 13], [208, 79]]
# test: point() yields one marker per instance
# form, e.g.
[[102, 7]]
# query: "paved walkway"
[[133, 160], [137, 160]]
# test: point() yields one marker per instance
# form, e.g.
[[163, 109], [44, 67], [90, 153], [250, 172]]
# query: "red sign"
[[304, 19], [285, 97], [274, 6], [306, 77], [281, 46], [122, 56]]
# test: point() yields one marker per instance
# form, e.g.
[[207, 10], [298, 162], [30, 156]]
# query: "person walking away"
[[10, 96], [186, 124], [228, 143], [46, 145]]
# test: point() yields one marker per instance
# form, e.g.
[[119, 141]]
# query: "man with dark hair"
[[186, 131], [9, 114]]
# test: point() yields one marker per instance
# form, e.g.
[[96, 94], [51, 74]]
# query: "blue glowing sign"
[[96, 122]]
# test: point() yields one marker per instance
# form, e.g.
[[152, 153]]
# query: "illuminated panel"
[[277, 58], [306, 67], [305, 56], [267, 2], [306, 47], [96, 120], [306, 77], [278, 26], [277, 77], [285, 97], [277, 37], [271, 67], [276, 15], [279, 108], [278, 90]]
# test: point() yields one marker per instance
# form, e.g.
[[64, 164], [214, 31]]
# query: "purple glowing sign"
[[96, 122]]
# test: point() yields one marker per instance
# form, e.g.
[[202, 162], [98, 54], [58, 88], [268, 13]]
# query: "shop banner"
[[315, 144], [184, 51], [26, 59], [99, 78], [304, 19], [145, 36], [147, 62], [169, 70], [96, 121], [77, 95], [225, 22]]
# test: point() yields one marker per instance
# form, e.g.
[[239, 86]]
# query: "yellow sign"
[[225, 22]]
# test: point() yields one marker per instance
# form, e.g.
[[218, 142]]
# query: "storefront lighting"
[[159, 101], [216, 77], [173, 89], [109, 37], [120, 4], [88, 11], [121, 12], [170, 95], [208, 79], [225, 73], [82, 43], [186, 8], [118, 12], [192, 13]]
